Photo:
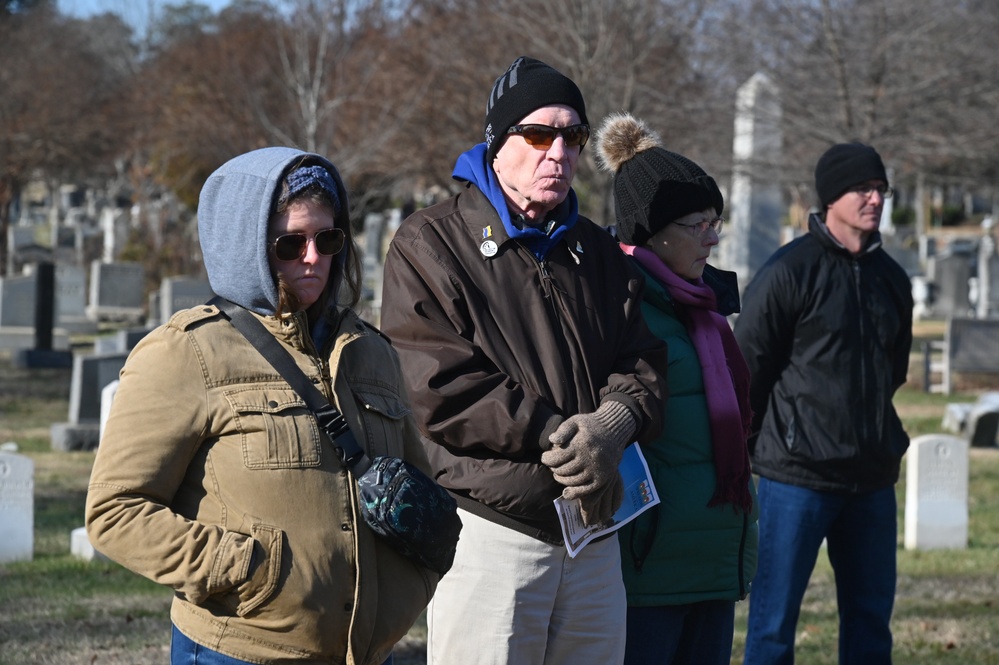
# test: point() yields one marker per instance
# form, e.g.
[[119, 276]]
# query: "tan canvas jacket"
[[204, 442]]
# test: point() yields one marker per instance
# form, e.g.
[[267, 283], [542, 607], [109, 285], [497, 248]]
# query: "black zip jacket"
[[498, 347], [827, 336]]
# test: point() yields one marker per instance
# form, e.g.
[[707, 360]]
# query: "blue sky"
[[131, 10]]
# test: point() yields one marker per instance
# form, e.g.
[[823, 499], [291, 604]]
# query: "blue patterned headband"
[[304, 177]]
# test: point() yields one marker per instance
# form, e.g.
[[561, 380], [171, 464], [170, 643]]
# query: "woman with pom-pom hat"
[[689, 560]]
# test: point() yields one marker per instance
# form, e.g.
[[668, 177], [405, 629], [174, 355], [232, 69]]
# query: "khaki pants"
[[513, 600]]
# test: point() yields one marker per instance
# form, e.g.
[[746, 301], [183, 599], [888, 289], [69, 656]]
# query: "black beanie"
[[843, 166], [526, 86], [652, 186]]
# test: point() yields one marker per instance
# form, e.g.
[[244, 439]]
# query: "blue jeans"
[[861, 533], [185, 651], [691, 634]]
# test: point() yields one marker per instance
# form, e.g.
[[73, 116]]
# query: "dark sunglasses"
[[292, 245], [542, 136]]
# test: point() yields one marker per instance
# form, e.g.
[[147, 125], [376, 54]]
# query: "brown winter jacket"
[[213, 479], [497, 345]]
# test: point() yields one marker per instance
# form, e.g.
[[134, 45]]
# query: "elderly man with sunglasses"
[[826, 329], [530, 368]]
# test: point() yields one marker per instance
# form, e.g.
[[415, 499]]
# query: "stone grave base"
[[35, 358], [74, 436]]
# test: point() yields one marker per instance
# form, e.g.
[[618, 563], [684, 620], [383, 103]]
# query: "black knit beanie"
[[526, 86], [843, 166], [652, 186]]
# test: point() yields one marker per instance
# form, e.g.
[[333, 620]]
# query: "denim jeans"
[[184, 651], [861, 532], [691, 634]]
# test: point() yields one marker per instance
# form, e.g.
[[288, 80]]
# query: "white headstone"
[[936, 493], [756, 203], [107, 395], [80, 547], [17, 507], [114, 228]]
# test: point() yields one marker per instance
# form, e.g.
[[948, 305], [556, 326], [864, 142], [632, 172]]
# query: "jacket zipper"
[[548, 288], [864, 361]]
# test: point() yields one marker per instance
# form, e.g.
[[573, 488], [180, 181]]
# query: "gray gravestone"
[[987, 302], [177, 293], [17, 301], [90, 375], [116, 291], [20, 239], [71, 300], [936, 493], [951, 273], [21, 236], [17, 315], [17, 507], [756, 204]]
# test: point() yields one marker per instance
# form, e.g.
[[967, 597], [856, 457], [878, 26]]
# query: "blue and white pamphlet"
[[639, 495]]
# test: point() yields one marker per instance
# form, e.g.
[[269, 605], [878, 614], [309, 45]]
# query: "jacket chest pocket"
[[382, 413], [276, 428]]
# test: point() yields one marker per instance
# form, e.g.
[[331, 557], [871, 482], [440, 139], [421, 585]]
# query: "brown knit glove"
[[587, 449], [600, 506]]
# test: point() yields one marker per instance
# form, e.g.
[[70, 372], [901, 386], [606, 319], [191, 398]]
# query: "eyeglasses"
[[543, 136], [292, 245], [700, 228], [886, 191]]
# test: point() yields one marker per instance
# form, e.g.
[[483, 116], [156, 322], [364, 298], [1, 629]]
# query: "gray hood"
[[233, 212]]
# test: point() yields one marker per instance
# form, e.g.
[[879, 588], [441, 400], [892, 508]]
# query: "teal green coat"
[[682, 551]]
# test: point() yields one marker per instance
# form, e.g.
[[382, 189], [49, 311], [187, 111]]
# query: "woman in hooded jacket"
[[213, 477], [688, 560]]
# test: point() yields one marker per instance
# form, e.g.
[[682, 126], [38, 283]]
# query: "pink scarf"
[[726, 378]]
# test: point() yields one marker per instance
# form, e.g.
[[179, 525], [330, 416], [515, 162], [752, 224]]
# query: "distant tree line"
[[393, 90]]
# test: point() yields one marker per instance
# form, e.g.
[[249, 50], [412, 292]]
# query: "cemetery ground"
[[57, 610]]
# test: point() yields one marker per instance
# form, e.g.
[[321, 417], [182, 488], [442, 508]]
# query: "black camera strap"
[[330, 419]]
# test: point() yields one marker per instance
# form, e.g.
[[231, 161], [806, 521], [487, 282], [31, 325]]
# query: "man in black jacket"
[[827, 329]]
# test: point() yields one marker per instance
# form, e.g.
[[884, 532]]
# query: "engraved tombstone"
[[71, 299], [17, 507], [116, 291], [177, 293], [936, 493]]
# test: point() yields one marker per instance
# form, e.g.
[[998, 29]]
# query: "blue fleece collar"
[[471, 167]]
